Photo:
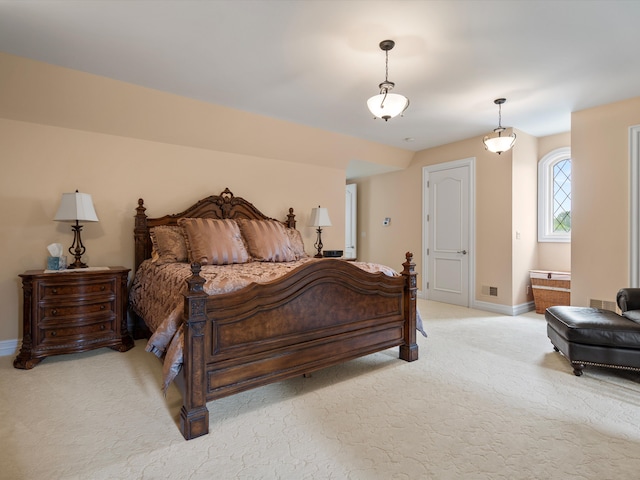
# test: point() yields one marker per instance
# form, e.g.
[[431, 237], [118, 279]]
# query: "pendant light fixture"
[[496, 142], [387, 105]]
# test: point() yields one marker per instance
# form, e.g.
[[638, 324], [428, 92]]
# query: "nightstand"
[[73, 311]]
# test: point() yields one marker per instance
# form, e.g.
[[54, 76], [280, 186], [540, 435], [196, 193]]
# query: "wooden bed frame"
[[321, 314]]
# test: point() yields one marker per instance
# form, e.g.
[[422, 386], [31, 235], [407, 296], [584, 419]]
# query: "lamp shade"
[[498, 143], [320, 217], [76, 206], [387, 105]]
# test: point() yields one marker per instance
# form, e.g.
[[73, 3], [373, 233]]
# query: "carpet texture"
[[488, 399]]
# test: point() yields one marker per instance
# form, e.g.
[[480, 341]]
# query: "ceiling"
[[315, 62]]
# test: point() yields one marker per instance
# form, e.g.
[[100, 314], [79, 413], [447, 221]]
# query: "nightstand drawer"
[[81, 287], [57, 312], [66, 332]]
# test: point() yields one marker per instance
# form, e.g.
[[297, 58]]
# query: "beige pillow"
[[214, 242], [168, 245], [267, 240], [295, 238]]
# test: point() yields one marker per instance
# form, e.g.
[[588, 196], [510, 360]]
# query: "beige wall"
[[524, 233], [598, 255], [40, 93], [62, 130], [399, 195], [506, 205], [600, 200]]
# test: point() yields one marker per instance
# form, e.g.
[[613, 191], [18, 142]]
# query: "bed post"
[[291, 219], [141, 252], [194, 416], [409, 350], [140, 233]]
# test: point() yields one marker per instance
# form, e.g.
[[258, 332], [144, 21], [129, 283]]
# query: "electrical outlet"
[[386, 222]]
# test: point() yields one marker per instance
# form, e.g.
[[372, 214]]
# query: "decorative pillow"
[[168, 245], [214, 242], [295, 238], [267, 240]]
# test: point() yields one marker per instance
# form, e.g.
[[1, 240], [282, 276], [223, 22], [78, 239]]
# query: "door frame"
[[634, 207], [426, 171], [351, 228]]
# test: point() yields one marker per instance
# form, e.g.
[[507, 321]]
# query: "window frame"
[[545, 196]]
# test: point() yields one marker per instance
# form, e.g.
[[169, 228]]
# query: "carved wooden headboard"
[[222, 206]]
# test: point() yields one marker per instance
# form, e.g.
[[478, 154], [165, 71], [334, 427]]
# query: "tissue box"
[[57, 263]]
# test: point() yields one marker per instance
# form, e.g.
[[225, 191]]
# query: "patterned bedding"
[[156, 295]]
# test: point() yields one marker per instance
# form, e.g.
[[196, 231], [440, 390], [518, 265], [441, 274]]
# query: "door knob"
[[464, 252]]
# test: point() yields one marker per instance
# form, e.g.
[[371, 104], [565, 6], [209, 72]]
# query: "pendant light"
[[496, 142], [387, 105]]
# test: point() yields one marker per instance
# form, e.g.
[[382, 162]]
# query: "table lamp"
[[319, 219], [76, 207]]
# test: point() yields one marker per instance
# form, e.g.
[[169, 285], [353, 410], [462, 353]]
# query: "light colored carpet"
[[488, 399]]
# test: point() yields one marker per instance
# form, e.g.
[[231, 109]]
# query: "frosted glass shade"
[[76, 206], [498, 143], [320, 217], [393, 105]]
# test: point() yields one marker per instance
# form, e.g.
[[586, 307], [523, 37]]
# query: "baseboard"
[[511, 310], [524, 308], [8, 347]]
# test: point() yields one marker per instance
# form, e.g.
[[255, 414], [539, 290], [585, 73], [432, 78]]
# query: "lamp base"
[[318, 244], [77, 248], [78, 264]]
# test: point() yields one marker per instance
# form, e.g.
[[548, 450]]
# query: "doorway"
[[634, 208], [351, 221], [449, 232]]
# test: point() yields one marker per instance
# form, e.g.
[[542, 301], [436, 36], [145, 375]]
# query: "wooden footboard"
[[319, 315]]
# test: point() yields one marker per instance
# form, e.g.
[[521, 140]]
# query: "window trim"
[[545, 192]]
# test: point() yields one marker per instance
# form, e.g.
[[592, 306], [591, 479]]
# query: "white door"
[[448, 221], [351, 221]]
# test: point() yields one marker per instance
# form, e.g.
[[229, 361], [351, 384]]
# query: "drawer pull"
[[54, 312], [102, 307], [53, 333], [54, 290], [102, 327], [102, 288]]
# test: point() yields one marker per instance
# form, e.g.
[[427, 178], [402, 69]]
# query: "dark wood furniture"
[[325, 312], [70, 312]]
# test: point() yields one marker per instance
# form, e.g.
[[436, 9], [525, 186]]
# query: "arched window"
[[554, 196]]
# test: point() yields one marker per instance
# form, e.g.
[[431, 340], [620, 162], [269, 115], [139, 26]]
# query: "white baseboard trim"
[[8, 347], [511, 310]]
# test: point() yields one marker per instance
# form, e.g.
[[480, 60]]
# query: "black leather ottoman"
[[590, 336]]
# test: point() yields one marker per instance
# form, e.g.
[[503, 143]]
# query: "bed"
[[314, 314]]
